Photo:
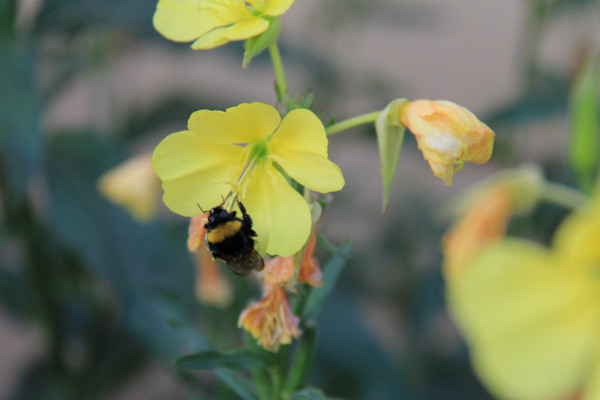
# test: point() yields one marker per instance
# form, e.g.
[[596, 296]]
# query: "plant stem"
[[282, 90], [564, 196], [352, 122]]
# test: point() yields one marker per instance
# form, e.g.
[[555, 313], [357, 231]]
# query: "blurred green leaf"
[[257, 44], [390, 135], [241, 359], [140, 264], [310, 394], [331, 272], [584, 144], [20, 141], [236, 382]]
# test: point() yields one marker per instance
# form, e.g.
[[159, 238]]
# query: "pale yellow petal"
[[243, 29], [194, 172], [530, 325], [277, 7], [183, 20], [313, 171], [592, 386], [280, 214], [577, 237], [240, 124], [300, 147]]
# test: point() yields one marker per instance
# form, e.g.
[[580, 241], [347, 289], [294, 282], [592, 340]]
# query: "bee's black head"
[[218, 214]]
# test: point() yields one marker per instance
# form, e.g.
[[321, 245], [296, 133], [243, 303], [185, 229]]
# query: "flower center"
[[259, 151]]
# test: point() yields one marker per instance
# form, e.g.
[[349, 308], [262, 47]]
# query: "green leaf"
[[237, 383], [255, 45], [238, 360], [310, 394], [390, 134], [585, 124], [331, 273]]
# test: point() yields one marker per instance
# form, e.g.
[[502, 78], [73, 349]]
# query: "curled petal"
[[243, 29], [196, 232], [484, 223], [280, 214], [310, 272], [271, 321], [300, 147], [447, 134], [275, 8], [278, 270], [184, 20]]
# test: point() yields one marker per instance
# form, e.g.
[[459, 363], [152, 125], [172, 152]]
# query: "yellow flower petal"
[[243, 29], [281, 216], [183, 20], [300, 147], [134, 186], [277, 7], [447, 134], [530, 323], [577, 237], [240, 124], [193, 171]]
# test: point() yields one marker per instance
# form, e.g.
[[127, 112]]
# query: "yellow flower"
[[134, 186], [250, 152], [531, 314], [447, 134], [211, 23], [271, 321]]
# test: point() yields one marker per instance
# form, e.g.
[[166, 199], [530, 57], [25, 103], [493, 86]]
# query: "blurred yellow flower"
[[531, 314], [447, 134], [134, 186], [211, 23], [249, 152], [271, 320]]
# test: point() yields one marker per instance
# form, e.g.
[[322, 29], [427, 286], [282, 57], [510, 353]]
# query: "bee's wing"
[[244, 265]]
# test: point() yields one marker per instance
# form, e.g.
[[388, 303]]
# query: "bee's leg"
[[246, 218]]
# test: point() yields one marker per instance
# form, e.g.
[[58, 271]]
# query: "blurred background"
[[95, 304]]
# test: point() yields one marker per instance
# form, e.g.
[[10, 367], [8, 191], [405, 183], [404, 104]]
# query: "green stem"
[[564, 196], [352, 122], [282, 90]]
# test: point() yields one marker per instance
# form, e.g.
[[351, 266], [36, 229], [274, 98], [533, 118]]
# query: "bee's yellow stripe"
[[224, 231]]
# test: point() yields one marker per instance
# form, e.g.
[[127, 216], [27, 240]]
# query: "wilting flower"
[[310, 272], [447, 135], [531, 314], [134, 186], [211, 286], [271, 320], [250, 152], [211, 23], [484, 223]]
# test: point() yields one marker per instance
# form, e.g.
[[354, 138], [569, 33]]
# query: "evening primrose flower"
[[212, 23], [531, 314], [447, 135], [249, 152], [134, 186], [271, 321]]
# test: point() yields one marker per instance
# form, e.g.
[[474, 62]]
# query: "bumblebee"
[[231, 239]]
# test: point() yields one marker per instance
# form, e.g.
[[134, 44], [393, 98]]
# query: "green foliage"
[[584, 144]]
